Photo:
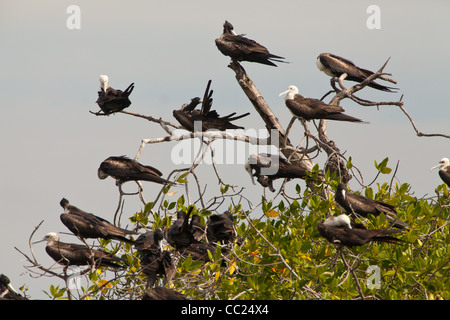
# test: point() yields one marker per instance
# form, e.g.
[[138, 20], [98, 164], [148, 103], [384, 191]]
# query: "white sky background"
[[52, 146]]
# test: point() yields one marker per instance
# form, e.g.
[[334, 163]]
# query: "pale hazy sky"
[[52, 145]]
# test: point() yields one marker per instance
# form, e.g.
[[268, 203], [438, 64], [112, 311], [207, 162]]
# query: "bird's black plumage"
[[339, 230], [334, 66], [220, 228], [356, 204], [111, 100], [154, 261], [180, 234], [7, 292], [310, 108], [240, 48], [124, 169], [86, 225], [269, 167], [69, 254], [205, 119]]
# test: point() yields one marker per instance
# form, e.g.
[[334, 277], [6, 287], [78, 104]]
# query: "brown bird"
[[154, 260], [220, 228], [124, 169], [7, 292], [86, 225], [269, 167], [309, 108], [240, 48], [340, 230], [357, 204], [111, 100], [334, 66], [69, 254], [444, 170], [180, 234], [205, 119]]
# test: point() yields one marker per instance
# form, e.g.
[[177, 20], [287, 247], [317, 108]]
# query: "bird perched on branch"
[[7, 292], [240, 48], [309, 108], [356, 204], [444, 170], [220, 228], [334, 66], [180, 234], [69, 254], [124, 169], [86, 225], [205, 119], [154, 260], [111, 100], [269, 167], [341, 230]]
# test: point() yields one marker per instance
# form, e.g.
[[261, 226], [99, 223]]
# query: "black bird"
[[444, 170], [180, 235], [154, 260], [86, 225], [340, 230], [334, 66], [7, 292], [356, 204], [205, 119], [69, 254], [268, 167], [310, 108], [220, 228], [124, 169], [162, 293], [240, 48], [111, 100]]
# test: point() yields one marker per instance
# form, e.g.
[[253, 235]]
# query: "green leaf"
[[181, 178]]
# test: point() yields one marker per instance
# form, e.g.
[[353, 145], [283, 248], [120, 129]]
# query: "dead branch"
[[269, 118]]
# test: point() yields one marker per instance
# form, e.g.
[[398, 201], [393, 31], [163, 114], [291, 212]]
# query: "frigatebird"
[[7, 292], [162, 293], [69, 254], [154, 260], [124, 169], [240, 48], [340, 230], [444, 170], [111, 100], [334, 66], [220, 228], [180, 234], [86, 225], [268, 167], [356, 204], [310, 108], [205, 119]]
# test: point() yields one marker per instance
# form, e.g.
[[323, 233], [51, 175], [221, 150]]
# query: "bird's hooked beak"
[[101, 175], [39, 241], [283, 93], [436, 167]]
